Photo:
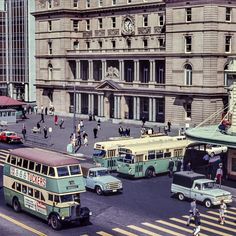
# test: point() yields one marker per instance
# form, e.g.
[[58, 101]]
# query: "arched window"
[[50, 70], [188, 74], [226, 68]]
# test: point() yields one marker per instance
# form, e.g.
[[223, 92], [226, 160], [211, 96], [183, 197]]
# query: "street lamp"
[[74, 110]]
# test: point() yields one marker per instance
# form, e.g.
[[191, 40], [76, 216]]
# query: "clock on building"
[[128, 26]]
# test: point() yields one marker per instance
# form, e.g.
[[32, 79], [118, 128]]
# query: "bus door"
[[111, 159], [139, 170]]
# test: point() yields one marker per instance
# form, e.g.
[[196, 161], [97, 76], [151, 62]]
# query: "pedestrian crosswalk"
[[177, 226], [3, 155]]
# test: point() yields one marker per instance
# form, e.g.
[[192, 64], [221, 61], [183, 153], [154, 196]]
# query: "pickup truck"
[[99, 179], [187, 184]]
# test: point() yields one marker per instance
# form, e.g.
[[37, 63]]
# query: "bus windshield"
[[70, 198], [99, 153], [127, 158], [102, 172]]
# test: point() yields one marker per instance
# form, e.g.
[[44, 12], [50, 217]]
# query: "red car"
[[10, 137]]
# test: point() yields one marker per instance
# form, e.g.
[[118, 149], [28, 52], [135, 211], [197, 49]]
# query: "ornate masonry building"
[[128, 59]]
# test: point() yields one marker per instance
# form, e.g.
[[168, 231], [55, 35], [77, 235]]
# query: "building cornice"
[[178, 3]]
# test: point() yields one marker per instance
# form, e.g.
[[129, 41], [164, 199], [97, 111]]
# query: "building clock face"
[[128, 25]]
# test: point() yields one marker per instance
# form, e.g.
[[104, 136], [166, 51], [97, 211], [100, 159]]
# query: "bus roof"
[[135, 149], [45, 157], [135, 141]]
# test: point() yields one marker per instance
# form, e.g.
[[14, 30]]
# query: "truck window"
[[92, 174], [197, 186]]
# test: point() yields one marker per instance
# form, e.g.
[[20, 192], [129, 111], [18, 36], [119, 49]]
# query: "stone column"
[[90, 69], [121, 66], [152, 71], [79, 103], [104, 69], [135, 108], [102, 105], [138, 108], [119, 107], [92, 103], [26, 92], [99, 105], [77, 76], [150, 112], [154, 109], [136, 70]]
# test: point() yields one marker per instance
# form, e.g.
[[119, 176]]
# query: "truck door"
[[196, 192], [90, 180]]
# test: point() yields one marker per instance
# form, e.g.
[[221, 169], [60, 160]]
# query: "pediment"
[[108, 85]]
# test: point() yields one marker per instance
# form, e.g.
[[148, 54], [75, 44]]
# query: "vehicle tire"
[[98, 190], [207, 203], [84, 221], [149, 173], [181, 197], [55, 222], [16, 205]]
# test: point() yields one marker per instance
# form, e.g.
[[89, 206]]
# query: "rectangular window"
[[75, 45], [145, 43], [44, 170], [113, 20], [18, 187], [62, 171], [24, 189], [76, 3], [37, 167], [160, 78], [87, 24], [13, 160], [19, 162], [161, 42], [49, 25], [100, 26], [75, 25], [113, 2], [36, 194], [145, 20], [188, 43], [159, 154], [49, 4], [128, 43], [113, 44], [88, 3], [100, 44], [75, 170], [188, 110], [129, 1], [228, 14], [161, 20], [50, 197], [151, 155], [129, 75], [145, 80], [51, 171], [31, 165], [88, 45], [100, 3], [227, 43], [30, 192], [188, 12], [25, 164], [50, 48]]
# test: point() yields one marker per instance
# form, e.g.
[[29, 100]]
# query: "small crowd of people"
[[124, 131]]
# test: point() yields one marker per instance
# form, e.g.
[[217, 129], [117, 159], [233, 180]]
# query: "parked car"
[[188, 184], [10, 137], [99, 179]]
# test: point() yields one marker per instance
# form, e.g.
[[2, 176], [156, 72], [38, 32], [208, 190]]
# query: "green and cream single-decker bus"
[[46, 184]]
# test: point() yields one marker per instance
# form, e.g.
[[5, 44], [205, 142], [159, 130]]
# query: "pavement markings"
[[162, 229], [124, 232], [217, 219], [230, 212], [102, 233], [22, 225], [226, 216], [147, 232], [216, 225]]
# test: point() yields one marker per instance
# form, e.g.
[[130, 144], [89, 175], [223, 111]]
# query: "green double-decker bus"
[[106, 152], [46, 184], [147, 160]]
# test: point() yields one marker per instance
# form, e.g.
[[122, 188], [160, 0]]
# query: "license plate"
[[114, 190]]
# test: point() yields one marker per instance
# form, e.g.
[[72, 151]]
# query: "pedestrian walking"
[[99, 124], [55, 120], [84, 135], [197, 221], [128, 132], [166, 130], [61, 124], [81, 125], [42, 109], [143, 121], [219, 175], [46, 111], [38, 127], [171, 168], [86, 140], [95, 131], [179, 165], [192, 211], [42, 118], [120, 130], [24, 132], [45, 132], [222, 212], [169, 125]]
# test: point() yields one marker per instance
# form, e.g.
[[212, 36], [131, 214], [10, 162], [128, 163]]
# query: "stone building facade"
[[128, 59]]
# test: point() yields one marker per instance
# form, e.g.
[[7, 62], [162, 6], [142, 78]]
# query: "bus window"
[[99, 153], [167, 154], [8, 159], [37, 167], [14, 185], [66, 198], [18, 187], [51, 171], [25, 164], [42, 197], [36, 193], [75, 170], [151, 155], [13, 160], [31, 165], [62, 171], [178, 152], [111, 153], [77, 197], [19, 162], [159, 154], [24, 189], [50, 197], [44, 170], [56, 198], [30, 191]]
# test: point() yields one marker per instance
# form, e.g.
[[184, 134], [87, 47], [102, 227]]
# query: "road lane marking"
[[162, 229], [216, 225], [217, 219], [177, 226], [147, 232], [216, 232], [124, 232], [230, 212], [226, 216], [22, 225], [103, 233]]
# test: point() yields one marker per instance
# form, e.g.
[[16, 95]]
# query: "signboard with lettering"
[[35, 205], [27, 176]]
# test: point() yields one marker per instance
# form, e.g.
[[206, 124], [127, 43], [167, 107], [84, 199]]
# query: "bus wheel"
[[16, 204], [84, 221], [55, 222], [149, 173], [98, 190], [181, 196], [207, 203]]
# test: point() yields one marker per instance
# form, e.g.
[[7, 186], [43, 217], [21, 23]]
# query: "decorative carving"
[[42, 3], [112, 72], [157, 29], [87, 34], [56, 3], [100, 33], [113, 32], [144, 30]]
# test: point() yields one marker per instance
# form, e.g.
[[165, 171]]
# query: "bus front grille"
[[75, 211]]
